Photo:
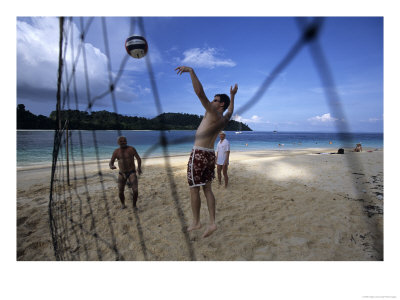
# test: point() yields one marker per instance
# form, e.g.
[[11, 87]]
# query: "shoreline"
[[334, 132], [269, 152]]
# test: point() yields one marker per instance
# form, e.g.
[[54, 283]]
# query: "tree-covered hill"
[[27, 120], [180, 121], [104, 120]]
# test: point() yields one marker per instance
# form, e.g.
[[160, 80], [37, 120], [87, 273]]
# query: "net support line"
[[335, 104], [59, 221], [164, 144]]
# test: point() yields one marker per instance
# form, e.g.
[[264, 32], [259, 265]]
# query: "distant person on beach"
[[127, 172], [201, 165], [223, 151], [358, 148]]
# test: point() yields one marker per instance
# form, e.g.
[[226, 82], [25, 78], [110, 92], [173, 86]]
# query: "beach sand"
[[290, 205]]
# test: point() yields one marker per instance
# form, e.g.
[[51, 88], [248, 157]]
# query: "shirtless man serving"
[[201, 165], [127, 172]]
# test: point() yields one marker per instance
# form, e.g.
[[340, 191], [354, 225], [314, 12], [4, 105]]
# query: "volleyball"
[[136, 46]]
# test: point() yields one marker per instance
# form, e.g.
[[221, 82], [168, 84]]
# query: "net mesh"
[[76, 220]]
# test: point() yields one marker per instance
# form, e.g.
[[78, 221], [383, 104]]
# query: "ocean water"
[[35, 147]]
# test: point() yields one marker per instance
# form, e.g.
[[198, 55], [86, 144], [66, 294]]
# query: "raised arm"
[[231, 106], [198, 88]]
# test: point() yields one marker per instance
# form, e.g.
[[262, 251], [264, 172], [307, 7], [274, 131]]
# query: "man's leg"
[[225, 171], [211, 209], [134, 184], [196, 204], [219, 167], [121, 188]]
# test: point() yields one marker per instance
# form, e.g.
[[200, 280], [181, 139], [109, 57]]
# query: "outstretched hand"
[[234, 90], [183, 69]]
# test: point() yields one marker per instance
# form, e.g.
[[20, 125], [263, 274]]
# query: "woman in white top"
[[222, 159]]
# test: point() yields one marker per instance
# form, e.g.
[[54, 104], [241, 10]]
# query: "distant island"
[[105, 120]]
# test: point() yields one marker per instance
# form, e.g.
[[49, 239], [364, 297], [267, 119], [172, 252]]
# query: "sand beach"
[[291, 205]]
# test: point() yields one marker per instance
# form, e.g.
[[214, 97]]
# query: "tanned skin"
[[127, 171], [213, 122]]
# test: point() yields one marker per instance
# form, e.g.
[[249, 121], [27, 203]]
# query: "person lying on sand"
[[201, 165], [127, 172]]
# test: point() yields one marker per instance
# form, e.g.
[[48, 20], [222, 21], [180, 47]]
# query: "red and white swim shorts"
[[201, 166]]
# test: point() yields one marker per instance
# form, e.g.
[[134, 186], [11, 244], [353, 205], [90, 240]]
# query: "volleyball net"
[[75, 217]]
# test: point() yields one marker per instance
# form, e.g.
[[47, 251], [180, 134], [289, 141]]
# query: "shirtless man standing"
[[127, 172], [201, 165]]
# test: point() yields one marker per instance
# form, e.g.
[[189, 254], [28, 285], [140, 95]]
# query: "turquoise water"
[[36, 147]]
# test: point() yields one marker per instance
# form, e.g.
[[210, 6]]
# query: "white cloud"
[[37, 60], [206, 58], [37, 64], [253, 119], [325, 118]]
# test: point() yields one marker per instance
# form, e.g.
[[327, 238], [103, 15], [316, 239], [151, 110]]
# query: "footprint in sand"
[[33, 223], [37, 245], [21, 220]]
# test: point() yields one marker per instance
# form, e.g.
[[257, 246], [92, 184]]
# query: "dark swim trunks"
[[201, 166], [126, 175]]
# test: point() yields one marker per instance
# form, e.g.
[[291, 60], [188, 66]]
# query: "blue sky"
[[223, 51]]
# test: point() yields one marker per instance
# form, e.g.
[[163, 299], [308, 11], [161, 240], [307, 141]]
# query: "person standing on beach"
[[127, 172], [201, 165], [223, 151]]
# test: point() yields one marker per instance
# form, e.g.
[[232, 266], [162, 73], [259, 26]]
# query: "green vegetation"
[[27, 120], [104, 120]]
